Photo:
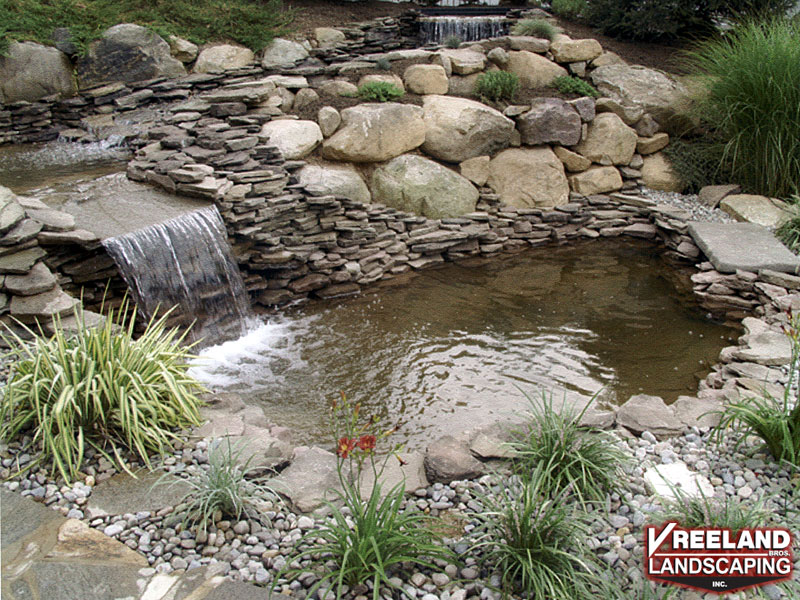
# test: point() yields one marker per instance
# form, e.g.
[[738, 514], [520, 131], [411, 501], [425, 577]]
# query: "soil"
[[330, 13]]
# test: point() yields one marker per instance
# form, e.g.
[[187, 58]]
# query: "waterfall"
[[185, 261], [434, 30]]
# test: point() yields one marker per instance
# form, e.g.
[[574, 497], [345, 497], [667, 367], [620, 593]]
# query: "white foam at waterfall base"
[[254, 361]]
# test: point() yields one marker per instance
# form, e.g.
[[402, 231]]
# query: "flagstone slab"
[[124, 494], [742, 246]]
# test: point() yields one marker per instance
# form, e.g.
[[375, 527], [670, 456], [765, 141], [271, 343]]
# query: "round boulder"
[[224, 57], [608, 141], [31, 71], [529, 178], [419, 185], [376, 132], [127, 53], [336, 180], [426, 79], [534, 71], [295, 139], [457, 128]]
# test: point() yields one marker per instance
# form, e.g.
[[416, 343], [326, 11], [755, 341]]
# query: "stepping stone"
[[742, 246], [123, 494], [21, 517]]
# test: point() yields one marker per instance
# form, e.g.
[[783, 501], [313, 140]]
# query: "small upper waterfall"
[[185, 261], [434, 30]]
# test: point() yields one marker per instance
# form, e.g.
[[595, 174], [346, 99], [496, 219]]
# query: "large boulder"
[[282, 53], [335, 180], [457, 128], [295, 139], [419, 185], [31, 71], [656, 92], [550, 121], [376, 132], [426, 79], [608, 141], [462, 61], [570, 51], [529, 178], [533, 70], [127, 53], [224, 57]]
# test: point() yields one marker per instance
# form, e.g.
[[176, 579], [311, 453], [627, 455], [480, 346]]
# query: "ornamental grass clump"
[[749, 101], [571, 457], [535, 28], [497, 85], [788, 232], [370, 534], [774, 420], [221, 489], [695, 511], [532, 539], [99, 388]]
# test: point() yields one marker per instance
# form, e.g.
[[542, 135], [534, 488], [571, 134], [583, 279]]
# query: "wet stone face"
[[459, 346]]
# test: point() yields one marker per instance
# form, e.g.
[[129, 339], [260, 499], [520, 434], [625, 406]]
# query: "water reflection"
[[456, 347]]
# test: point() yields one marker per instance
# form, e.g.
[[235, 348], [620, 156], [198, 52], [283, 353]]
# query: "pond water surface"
[[451, 348]]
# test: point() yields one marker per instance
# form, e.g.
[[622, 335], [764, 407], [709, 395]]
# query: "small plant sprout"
[[567, 84], [379, 91]]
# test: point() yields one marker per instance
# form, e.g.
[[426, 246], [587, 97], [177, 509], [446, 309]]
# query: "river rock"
[[529, 178], [182, 50], [127, 53], [421, 186], [570, 51], [448, 459], [283, 53], [30, 71], [223, 57], [309, 480], [376, 132], [608, 141], [649, 413], [334, 180], [295, 139], [457, 128], [658, 174], [752, 208], [426, 79], [534, 71], [550, 121], [656, 92], [596, 180]]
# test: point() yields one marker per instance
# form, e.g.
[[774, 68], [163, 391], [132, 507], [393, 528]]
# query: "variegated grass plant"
[[99, 388]]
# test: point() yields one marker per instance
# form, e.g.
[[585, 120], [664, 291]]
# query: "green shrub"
[[789, 231], [221, 488], [774, 420], [452, 41], [567, 84], [531, 539], [534, 27], [697, 162], [99, 388], [379, 91], [367, 537], [250, 22], [383, 64], [572, 458], [497, 85], [750, 102], [571, 10]]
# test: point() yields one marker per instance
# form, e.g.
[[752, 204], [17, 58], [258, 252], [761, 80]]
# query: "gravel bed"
[[689, 203]]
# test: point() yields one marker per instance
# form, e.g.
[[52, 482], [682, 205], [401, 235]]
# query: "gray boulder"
[[281, 52], [31, 71], [127, 53], [457, 128], [449, 459], [335, 180], [550, 121], [419, 185], [649, 413]]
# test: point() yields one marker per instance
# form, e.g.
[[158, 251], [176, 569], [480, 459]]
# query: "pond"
[[445, 350]]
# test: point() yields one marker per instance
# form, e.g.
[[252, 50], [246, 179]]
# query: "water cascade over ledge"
[[434, 30], [185, 261]]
